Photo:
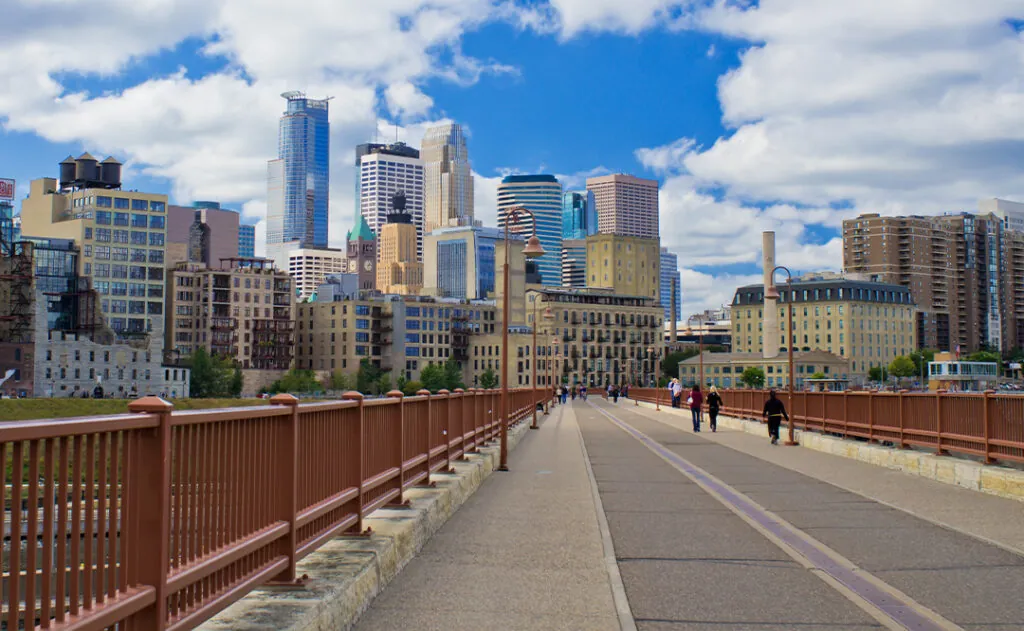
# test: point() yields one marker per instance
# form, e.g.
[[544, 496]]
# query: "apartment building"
[[964, 272], [605, 337], [626, 205], [243, 310], [867, 323], [626, 265]]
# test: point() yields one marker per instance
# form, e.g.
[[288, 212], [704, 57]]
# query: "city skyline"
[[742, 148]]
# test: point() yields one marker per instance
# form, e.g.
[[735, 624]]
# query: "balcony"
[[381, 326], [223, 324]]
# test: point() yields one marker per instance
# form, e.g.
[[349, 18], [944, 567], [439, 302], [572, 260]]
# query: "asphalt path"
[[690, 561]]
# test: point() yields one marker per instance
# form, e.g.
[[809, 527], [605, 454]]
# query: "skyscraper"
[[298, 182], [626, 205], [669, 275], [448, 180], [579, 215], [396, 149], [383, 173], [246, 240], [542, 195], [459, 262], [574, 263]]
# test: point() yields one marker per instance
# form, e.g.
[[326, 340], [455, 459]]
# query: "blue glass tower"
[[579, 215], [542, 195], [304, 146]]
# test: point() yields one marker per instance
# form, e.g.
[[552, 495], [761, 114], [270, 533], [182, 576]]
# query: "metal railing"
[[986, 425], [157, 520]]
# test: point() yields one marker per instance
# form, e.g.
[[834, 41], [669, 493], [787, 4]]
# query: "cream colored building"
[[604, 337], [627, 265], [309, 267], [868, 323], [447, 178], [244, 313], [723, 370], [122, 235], [398, 270]]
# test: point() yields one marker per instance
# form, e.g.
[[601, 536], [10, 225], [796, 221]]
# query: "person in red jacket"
[[695, 401]]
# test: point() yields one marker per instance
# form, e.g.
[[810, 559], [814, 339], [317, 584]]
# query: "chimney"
[[770, 310]]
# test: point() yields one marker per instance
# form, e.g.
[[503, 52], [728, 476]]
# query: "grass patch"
[[33, 409]]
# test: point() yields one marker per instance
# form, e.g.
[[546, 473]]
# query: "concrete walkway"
[[524, 553], [987, 517]]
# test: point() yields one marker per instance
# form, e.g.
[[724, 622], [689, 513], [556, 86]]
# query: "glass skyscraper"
[[463, 258], [579, 215], [297, 212], [246, 240], [542, 195], [669, 276]]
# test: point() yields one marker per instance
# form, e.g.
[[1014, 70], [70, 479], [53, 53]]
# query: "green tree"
[[237, 382], [489, 379], [670, 363], [296, 381], [984, 356], [817, 375], [368, 377], [453, 375], [340, 381], [213, 377], [384, 384], [410, 388], [433, 378], [753, 377], [902, 367], [921, 360], [877, 373]]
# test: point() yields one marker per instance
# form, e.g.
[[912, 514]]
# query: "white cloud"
[[406, 100], [575, 16], [700, 290], [485, 198]]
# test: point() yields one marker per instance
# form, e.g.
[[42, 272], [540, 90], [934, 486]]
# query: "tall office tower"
[[9, 234], [246, 240], [460, 262], [298, 182], [574, 263], [626, 205], [962, 270], [669, 276], [383, 173], [396, 149], [448, 180], [579, 215], [398, 268], [542, 195]]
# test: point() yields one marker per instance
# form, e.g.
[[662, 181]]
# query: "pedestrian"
[[615, 394], [573, 393], [774, 411], [625, 391], [676, 388], [714, 403], [583, 392], [565, 394], [696, 400]]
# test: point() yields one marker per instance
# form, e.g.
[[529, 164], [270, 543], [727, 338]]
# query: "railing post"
[[150, 534], [288, 481], [398, 394], [903, 444], [987, 416], [361, 443], [938, 423]]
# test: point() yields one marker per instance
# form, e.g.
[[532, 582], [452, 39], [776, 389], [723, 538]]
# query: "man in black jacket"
[[774, 411]]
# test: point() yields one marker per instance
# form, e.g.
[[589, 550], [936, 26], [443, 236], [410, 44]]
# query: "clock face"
[[368, 265]]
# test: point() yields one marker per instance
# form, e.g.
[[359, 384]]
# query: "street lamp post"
[[532, 249], [657, 386], [773, 292], [700, 338], [547, 316], [554, 347]]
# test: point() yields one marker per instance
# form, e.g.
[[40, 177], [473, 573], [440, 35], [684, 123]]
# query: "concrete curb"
[[346, 574], [992, 479]]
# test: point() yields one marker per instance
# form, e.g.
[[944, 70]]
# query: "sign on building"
[[6, 190]]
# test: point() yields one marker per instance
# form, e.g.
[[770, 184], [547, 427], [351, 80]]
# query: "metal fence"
[[157, 520], [987, 425]]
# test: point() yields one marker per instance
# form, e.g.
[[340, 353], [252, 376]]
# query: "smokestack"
[[675, 301], [770, 311]]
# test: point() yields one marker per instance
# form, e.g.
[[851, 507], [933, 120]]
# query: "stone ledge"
[[347, 573], [992, 479]]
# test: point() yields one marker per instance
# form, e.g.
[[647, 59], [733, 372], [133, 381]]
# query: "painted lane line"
[[883, 602], [611, 563]]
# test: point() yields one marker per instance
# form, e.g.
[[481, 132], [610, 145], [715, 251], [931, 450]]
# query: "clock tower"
[[362, 254]]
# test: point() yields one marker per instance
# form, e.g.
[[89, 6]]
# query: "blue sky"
[[780, 114]]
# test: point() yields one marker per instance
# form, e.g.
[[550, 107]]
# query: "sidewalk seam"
[[611, 563]]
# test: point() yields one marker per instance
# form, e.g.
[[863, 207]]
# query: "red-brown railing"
[[157, 520], [987, 425]]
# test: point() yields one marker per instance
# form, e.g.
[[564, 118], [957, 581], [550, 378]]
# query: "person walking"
[[696, 400], [676, 391], [615, 394], [714, 403], [774, 412], [565, 394], [583, 392]]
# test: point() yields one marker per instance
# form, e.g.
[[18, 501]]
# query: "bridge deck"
[[860, 547]]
